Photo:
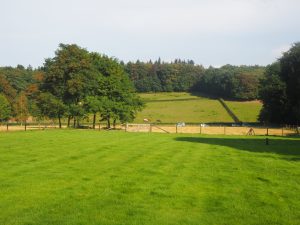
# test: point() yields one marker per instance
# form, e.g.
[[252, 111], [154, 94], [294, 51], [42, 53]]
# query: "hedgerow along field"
[[176, 107], [99, 177]]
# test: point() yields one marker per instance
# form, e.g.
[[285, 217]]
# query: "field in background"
[[247, 111], [176, 107], [181, 107], [90, 177]]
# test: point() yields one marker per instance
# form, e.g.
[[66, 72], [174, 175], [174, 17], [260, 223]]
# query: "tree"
[[290, 75], [5, 88], [22, 107], [5, 109], [69, 78], [273, 95], [94, 105], [280, 89], [116, 95], [51, 106]]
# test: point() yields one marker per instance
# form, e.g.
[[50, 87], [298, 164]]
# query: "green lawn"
[[246, 111], [91, 177], [182, 107]]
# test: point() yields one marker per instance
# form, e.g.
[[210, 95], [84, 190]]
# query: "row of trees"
[[74, 84], [13, 85], [164, 77], [233, 82], [236, 82], [280, 89]]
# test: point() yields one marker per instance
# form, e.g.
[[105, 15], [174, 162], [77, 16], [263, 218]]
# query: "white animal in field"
[[146, 120]]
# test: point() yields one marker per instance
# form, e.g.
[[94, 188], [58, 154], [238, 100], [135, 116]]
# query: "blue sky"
[[211, 32]]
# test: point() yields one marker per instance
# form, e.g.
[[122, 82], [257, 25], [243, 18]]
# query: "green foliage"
[[86, 177], [164, 77], [22, 107], [19, 77], [233, 82], [83, 83], [5, 109], [290, 75], [280, 89], [115, 91], [7, 90], [51, 106], [68, 75], [273, 95]]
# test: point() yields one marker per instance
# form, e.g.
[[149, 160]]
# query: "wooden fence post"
[[176, 129], [200, 129], [267, 131]]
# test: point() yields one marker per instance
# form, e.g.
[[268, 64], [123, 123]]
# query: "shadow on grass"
[[289, 148]]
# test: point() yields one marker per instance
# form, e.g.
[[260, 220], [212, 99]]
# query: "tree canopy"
[[80, 82], [280, 89], [5, 109]]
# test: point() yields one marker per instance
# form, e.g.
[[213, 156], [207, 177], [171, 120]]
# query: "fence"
[[167, 128], [221, 130]]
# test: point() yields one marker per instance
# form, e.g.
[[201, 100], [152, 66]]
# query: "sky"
[[210, 32]]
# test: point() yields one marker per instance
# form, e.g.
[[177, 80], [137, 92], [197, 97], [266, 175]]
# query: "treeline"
[[231, 82], [160, 76], [77, 83], [235, 82], [14, 83], [73, 85]]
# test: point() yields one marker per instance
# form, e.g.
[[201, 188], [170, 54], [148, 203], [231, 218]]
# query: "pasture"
[[246, 111], [176, 107], [99, 177]]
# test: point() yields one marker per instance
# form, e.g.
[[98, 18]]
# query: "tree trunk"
[[59, 121], [77, 123], [69, 119], [114, 123], [25, 125], [74, 125], [94, 121], [108, 122]]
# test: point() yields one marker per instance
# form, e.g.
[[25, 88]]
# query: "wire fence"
[[166, 128], [221, 130]]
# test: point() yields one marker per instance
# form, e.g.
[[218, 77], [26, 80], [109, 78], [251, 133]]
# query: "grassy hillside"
[[91, 177], [181, 107], [176, 107], [246, 111]]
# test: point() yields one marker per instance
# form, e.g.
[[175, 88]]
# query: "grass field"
[[91, 177], [246, 111], [176, 107], [181, 107]]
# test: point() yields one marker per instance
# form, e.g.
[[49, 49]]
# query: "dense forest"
[[164, 77], [76, 83], [235, 82]]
